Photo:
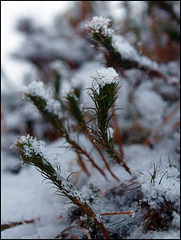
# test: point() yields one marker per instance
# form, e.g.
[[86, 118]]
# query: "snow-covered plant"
[[33, 151], [104, 93], [99, 28], [161, 196], [119, 54], [76, 112], [51, 110]]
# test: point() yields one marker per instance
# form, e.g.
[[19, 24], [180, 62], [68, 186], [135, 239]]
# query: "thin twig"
[[118, 213]]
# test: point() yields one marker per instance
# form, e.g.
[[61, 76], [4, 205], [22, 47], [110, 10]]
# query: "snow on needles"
[[124, 48], [106, 76], [33, 146], [128, 52], [100, 25], [38, 89]]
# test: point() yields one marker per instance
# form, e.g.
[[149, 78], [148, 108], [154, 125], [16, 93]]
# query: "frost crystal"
[[100, 25], [37, 89], [106, 76]]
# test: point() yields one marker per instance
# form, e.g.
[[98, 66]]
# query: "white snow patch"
[[150, 105], [38, 89], [106, 76], [165, 186]]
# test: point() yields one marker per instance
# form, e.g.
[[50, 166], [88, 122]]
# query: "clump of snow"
[[150, 105], [100, 25], [146, 62], [33, 146], [38, 89], [163, 186], [126, 50], [106, 76], [54, 107]]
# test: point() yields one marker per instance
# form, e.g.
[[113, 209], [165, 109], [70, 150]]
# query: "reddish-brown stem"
[[117, 213], [171, 114], [14, 224], [83, 165], [118, 136], [84, 152], [101, 154]]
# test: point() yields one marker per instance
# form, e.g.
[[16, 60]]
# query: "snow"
[[150, 105], [99, 25], [165, 186], [128, 52], [106, 76], [38, 89]]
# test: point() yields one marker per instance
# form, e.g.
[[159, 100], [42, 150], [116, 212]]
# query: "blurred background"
[[12, 11]]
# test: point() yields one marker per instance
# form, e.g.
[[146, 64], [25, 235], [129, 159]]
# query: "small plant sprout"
[[104, 93], [104, 96], [77, 113], [153, 176], [33, 151]]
